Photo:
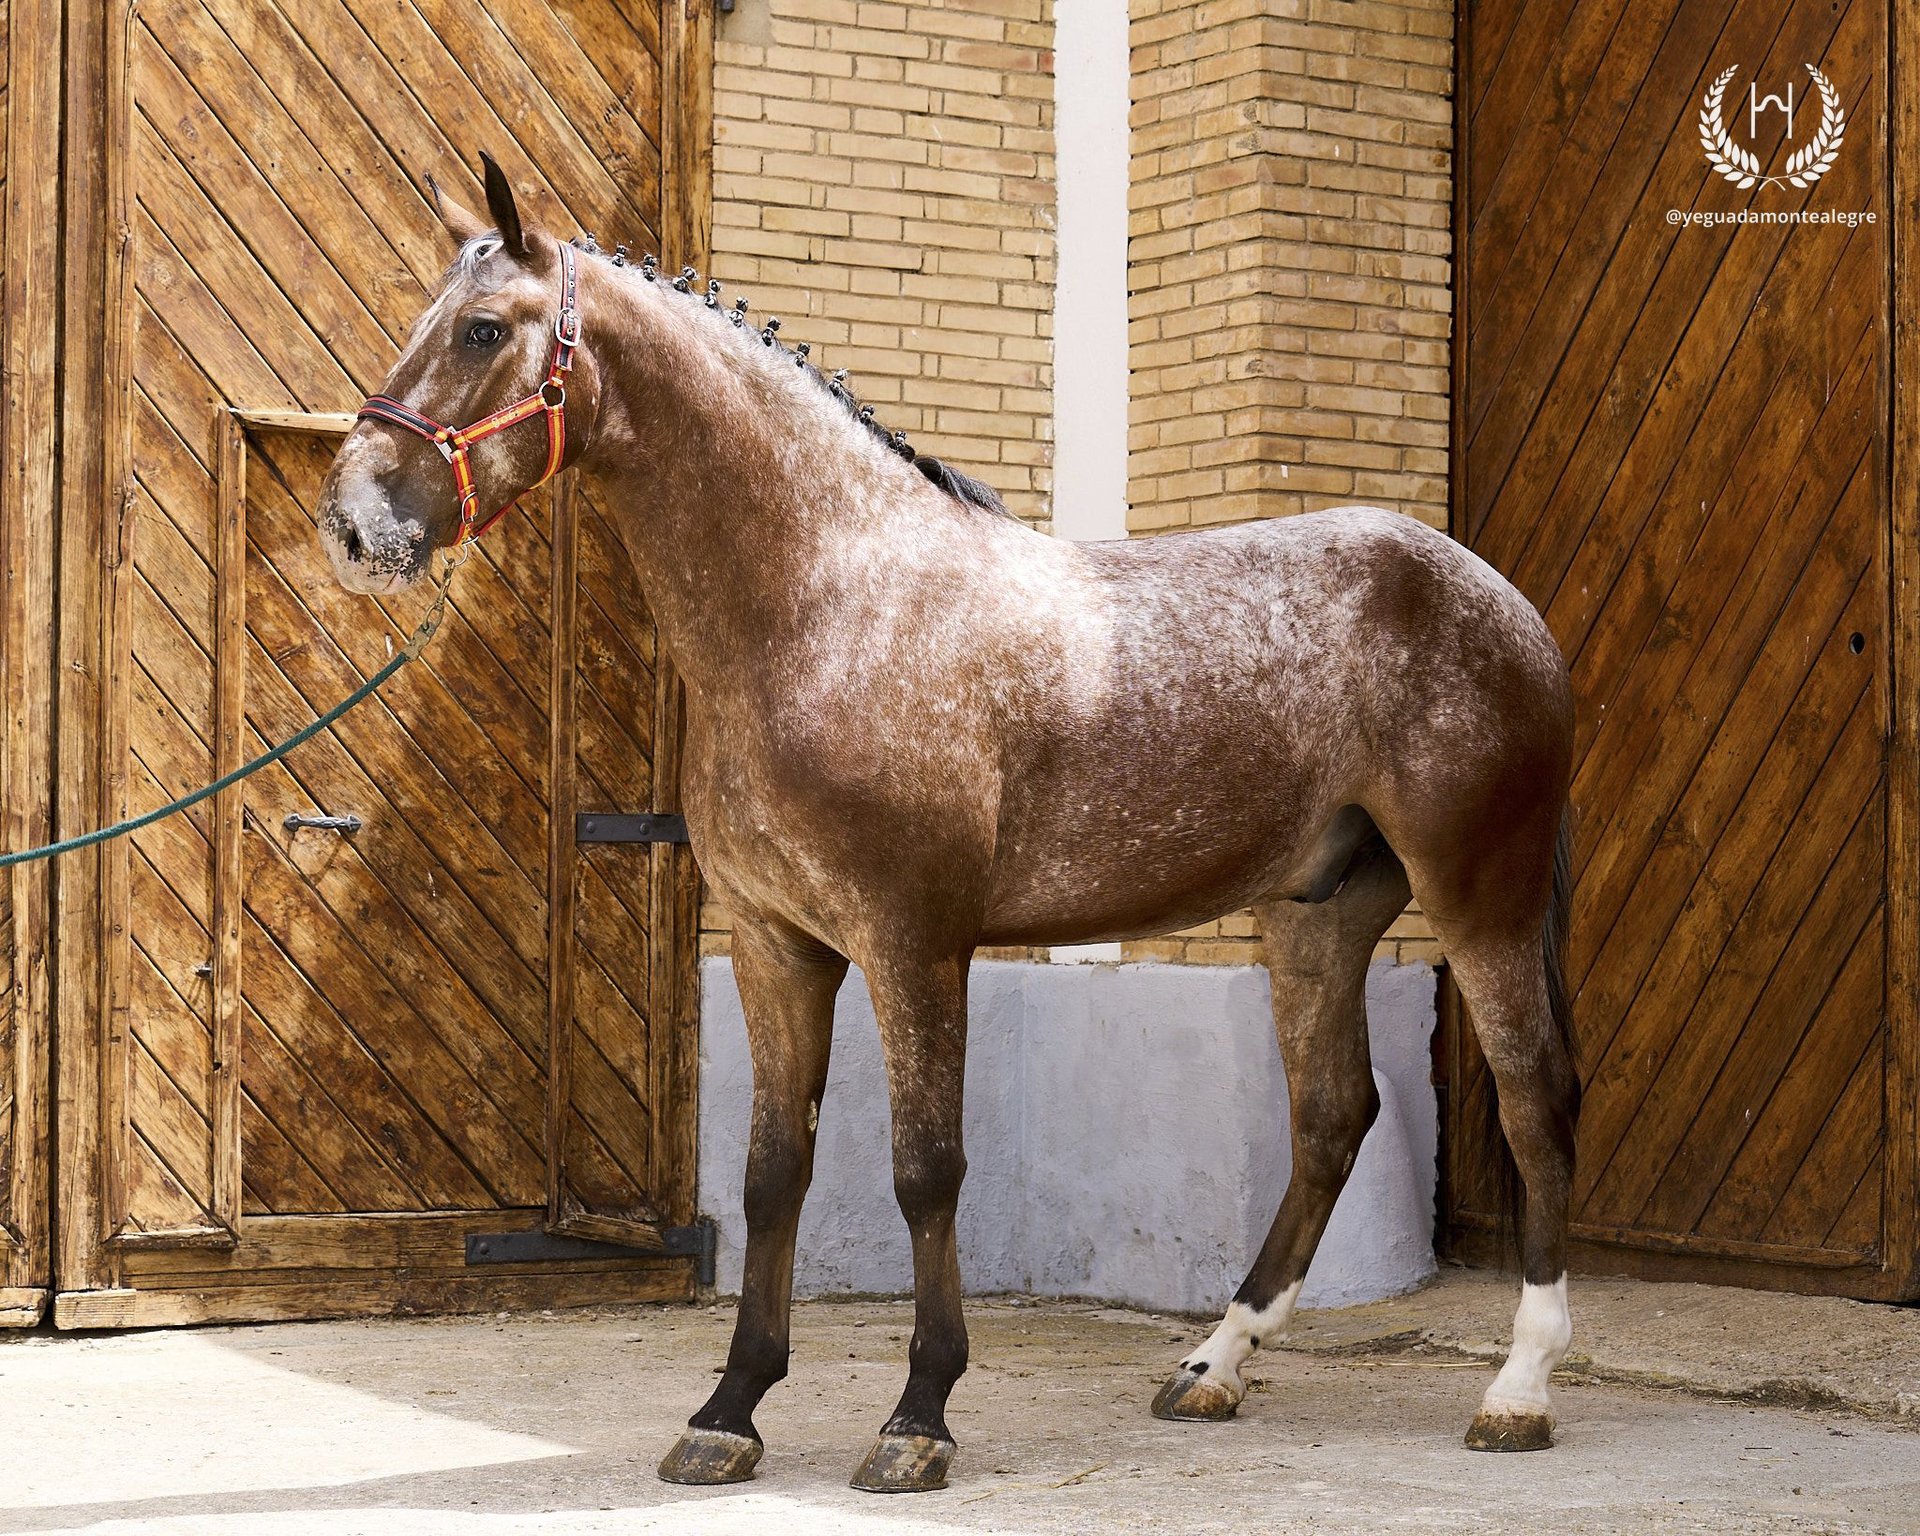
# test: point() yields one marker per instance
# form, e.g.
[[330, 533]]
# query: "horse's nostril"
[[355, 549]]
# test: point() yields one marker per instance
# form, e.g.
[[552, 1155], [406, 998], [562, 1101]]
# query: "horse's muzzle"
[[373, 549]]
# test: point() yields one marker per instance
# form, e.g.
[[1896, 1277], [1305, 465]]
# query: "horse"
[[915, 725]]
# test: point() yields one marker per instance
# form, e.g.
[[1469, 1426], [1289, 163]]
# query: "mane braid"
[[963, 488]]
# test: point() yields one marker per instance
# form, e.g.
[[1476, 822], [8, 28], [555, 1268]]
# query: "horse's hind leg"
[[1502, 940], [787, 987], [1317, 954]]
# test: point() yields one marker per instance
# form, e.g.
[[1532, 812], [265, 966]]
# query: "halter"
[[550, 397]]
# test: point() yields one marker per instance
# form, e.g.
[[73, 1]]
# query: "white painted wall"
[[1091, 85], [1126, 1131]]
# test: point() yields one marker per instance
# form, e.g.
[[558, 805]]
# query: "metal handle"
[[295, 821]]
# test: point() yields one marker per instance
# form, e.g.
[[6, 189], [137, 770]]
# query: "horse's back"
[[1328, 564], [1245, 683], [1328, 613]]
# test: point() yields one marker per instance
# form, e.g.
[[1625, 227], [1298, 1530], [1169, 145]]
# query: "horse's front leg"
[[922, 1009], [787, 987]]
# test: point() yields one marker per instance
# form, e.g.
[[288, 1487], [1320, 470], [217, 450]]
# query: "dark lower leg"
[[923, 1031], [787, 988], [1517, 1413], [779, 1165], [1332, 1104], [1539, 1097], [937, 1357], [1328, 1126]]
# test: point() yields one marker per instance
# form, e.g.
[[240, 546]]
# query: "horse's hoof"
[[905, 1464], [705, 1457], [1189, 1396], [1506, 1430]]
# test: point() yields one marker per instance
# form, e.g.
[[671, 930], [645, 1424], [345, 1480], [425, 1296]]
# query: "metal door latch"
[[349, 824]]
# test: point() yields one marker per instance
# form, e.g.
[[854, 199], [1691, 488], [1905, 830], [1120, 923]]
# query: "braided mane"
[[961, 487]]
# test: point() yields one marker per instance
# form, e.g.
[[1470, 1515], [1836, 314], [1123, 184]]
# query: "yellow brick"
[[897, 44], [1226, 952]]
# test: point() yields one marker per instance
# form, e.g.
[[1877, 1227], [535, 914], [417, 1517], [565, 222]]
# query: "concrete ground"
[[1768, 1414]]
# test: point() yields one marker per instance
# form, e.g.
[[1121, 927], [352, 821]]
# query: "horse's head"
[[428, 464]]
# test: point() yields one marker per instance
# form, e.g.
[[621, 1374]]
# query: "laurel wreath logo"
[[1739, 165]]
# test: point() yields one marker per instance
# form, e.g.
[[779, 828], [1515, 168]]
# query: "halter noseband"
[[550, 397]]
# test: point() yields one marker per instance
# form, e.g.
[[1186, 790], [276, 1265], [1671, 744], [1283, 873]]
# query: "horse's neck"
[[745, 511]]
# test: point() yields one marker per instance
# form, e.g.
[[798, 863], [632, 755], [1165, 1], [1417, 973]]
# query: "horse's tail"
[[1501, 1172], [1553, 949]]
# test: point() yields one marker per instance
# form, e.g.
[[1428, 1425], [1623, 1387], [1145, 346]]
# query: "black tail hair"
[[1553, 947], [1502, 1172]]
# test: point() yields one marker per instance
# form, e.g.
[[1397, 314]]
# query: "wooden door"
[[319, 1058], [1676, 440], [29, 269]]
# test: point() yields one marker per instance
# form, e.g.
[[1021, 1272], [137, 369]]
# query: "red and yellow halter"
[[550, 397]]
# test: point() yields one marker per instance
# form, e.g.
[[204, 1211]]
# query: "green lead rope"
[[407, 653]]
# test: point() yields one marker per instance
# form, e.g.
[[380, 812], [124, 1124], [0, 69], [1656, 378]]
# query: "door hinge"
[[629, 827]]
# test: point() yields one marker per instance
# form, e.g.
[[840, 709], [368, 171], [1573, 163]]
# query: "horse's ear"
[[461, 224], [506, 217]]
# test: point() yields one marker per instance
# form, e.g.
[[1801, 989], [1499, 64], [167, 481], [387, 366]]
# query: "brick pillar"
[[1289, 258], [883, 181]]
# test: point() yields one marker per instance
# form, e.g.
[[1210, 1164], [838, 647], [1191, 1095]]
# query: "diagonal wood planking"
[[393, 1035], [1673, 439]]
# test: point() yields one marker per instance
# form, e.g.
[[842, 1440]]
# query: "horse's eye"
[[485, 333]]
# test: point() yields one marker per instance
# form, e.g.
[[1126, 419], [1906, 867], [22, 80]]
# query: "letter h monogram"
[[1756, 104]]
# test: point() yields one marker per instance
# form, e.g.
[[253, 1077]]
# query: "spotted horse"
[[915, 726]]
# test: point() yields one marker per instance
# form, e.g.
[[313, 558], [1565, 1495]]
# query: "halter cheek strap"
[[549, 399]]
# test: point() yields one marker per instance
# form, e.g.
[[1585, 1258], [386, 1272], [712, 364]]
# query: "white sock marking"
[[1542, 1334], [1240, 1333]]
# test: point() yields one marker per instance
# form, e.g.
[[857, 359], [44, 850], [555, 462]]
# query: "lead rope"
[[408, 652]]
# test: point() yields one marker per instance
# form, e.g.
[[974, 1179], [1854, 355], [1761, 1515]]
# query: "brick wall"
[[883, 182], [1288, 268], [1288, 261]]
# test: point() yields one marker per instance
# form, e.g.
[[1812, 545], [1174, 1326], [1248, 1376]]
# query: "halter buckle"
[[566, 327]]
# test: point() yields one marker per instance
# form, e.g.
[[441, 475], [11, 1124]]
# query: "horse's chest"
[[752, 828], [835, 830]]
